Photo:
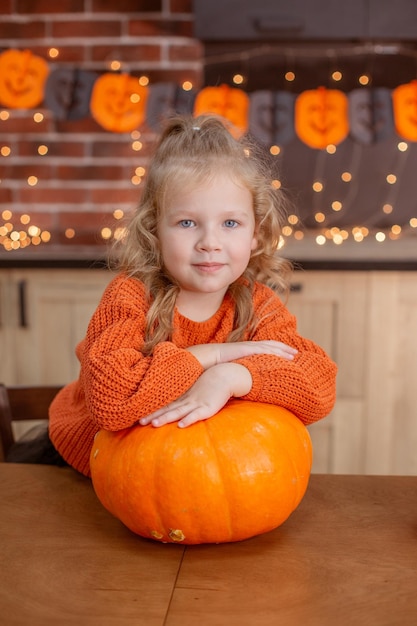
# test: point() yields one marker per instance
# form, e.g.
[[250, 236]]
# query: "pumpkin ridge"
[[157, 502], [221, 474]]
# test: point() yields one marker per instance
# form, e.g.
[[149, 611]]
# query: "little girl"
[[193, 318]]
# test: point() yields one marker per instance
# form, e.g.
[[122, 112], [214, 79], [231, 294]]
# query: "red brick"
[[185, 52], [55, 148], [21, 30], [7, 6], [26, 124], [129, 6], [37, 195], [83, 220], [70, 54], [113, 148], [46, 6], [115, 196], [85, 125], [91, 172], [154, 28], [22, 172], [181, 6], [6, 197], [138, 53], [86, 29], [42, 220]]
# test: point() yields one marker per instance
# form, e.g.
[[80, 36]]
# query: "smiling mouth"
[[208, 267]]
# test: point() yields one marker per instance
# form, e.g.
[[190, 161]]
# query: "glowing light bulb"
[[364, 79], [238, 79]]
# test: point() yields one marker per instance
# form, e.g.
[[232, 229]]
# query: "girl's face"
[[206, 237]]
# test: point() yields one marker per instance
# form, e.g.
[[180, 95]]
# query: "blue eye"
[[231, 223], [186, 223]]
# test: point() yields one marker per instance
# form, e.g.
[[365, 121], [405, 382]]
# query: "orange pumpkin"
[[236, 475], [22, 79], [118, 102], [321, 117], [227, 102], [404, 100]]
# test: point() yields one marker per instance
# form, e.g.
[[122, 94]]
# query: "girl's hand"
[[206, 397], [210, 354]]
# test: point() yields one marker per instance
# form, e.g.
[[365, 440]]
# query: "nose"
[[208, 240]]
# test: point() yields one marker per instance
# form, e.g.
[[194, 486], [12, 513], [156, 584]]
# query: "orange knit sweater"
[[118, 385]]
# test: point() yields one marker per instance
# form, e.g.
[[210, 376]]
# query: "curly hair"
[[189, 153]]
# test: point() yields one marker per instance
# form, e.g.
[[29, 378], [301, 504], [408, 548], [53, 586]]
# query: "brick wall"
[[87, 176]]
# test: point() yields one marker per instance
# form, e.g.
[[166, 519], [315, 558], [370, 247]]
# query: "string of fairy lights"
[[18, 231]]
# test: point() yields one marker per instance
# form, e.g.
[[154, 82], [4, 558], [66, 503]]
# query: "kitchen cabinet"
[[366, 320], [45, 314]]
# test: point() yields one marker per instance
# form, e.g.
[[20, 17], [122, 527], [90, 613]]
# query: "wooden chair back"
[[19, 403]]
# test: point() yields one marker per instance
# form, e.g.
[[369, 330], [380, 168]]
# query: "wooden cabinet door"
[[8, 314], [331, 310], [367, 322], [390, 437], [55, 308]]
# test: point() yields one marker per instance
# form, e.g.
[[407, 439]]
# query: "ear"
[[254, 243]]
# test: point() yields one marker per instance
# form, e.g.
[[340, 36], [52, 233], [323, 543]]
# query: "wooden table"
[[346, 556]]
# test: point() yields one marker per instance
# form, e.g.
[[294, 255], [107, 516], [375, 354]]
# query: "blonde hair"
[[190, 152]]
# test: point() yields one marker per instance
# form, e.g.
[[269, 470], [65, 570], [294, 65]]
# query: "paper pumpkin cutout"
[[271, 116], [321, 117], [165, 100], [68, 93], [22, 79], [404, 98], [118, 102], [227, 102], [370, 114]]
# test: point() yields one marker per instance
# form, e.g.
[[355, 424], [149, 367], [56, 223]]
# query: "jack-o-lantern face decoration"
[[118, 102], [227, 102], [22, 79], [404, 99], [370, 114], [68, 93], [271, 117], [321, 117]]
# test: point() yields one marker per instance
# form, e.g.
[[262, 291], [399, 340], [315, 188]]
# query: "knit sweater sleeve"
[[306, 385], [121, 385]]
